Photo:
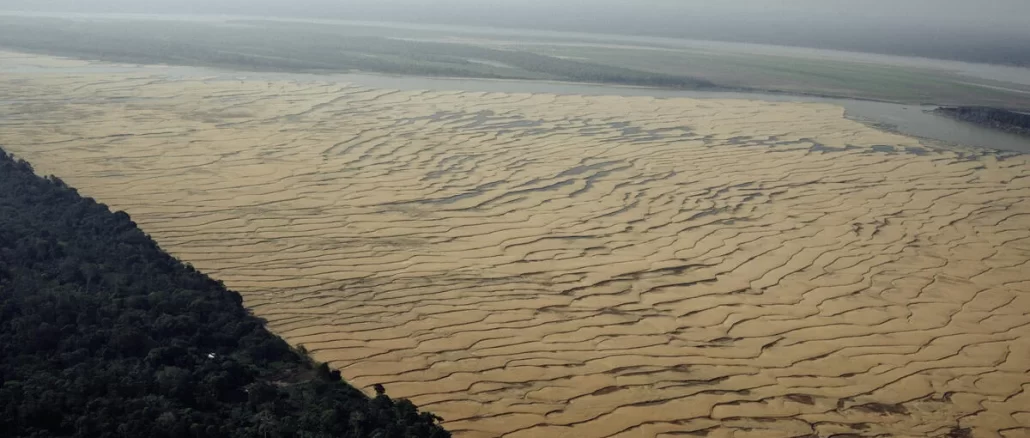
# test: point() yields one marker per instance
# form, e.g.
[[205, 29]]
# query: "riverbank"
[[994, 118], [912, 120]]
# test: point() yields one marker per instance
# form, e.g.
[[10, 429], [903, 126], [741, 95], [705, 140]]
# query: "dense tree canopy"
[[102, 334], [1012, 121]]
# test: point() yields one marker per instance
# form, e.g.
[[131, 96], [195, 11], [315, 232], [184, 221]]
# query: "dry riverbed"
[[532, 265]]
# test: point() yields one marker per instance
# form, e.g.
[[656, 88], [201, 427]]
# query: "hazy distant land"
[[534, 265], [320, 46], [993, 32]]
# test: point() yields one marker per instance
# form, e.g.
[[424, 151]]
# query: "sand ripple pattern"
[[544, 266]]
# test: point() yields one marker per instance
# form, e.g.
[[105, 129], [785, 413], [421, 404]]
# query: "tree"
[[102, 334]]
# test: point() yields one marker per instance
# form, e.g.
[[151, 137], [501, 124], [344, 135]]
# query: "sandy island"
[[547, 266]]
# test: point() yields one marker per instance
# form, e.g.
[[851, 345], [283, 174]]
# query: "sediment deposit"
[[543, 265]]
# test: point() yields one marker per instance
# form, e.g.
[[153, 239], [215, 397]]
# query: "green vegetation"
[[102, 334]]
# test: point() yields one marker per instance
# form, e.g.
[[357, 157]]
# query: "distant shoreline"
[[244, 69], [914, 120], [339, 47], [994, 118], [583, 34]]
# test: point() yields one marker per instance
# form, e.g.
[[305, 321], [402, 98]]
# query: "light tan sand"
[[547, 266]]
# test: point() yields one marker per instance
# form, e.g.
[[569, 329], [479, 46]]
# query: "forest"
[[998, 118], [103, 334]]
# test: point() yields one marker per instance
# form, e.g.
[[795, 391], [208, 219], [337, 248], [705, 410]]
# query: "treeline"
[[992, 117], [102, 334], [292, 47]]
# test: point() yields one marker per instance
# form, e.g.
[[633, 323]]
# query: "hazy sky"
[[985, 13], [961, 29]]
